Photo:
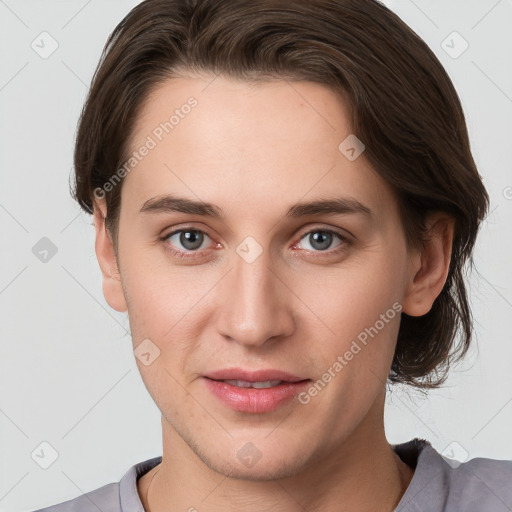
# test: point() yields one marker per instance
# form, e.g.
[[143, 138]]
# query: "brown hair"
[[404, 108]]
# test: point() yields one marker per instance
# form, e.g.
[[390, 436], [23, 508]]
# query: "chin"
[[263, 471], [248, 463]]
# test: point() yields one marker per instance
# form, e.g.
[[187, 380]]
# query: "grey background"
[[68, 375]]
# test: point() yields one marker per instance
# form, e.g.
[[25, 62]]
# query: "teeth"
[[266, 384], [257, 385]]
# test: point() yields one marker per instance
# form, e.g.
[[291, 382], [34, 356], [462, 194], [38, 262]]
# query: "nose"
[[257, 304]]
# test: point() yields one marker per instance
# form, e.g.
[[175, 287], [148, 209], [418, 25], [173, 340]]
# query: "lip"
[[252, 376], [254, 400]]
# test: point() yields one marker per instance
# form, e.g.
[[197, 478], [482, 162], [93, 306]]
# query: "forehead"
[[229, 141]]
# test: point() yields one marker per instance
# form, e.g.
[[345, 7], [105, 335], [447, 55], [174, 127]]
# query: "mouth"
[[254, 392], [257, 385], [253, 376]]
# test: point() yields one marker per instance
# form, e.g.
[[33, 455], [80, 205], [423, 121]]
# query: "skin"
[[254, 150]]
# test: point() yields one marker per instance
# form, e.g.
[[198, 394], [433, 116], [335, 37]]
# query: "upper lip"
[[252, 376]]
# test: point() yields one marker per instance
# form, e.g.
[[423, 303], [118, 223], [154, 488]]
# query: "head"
[[251, 109]]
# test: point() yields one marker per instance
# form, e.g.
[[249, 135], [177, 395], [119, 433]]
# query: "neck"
[[362, 471]]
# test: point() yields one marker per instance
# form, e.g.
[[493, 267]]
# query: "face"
[[246, 286]]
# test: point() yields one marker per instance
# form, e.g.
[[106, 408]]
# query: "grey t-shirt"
[[439, 484]]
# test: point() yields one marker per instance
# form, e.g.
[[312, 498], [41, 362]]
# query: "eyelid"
[[185, 227]]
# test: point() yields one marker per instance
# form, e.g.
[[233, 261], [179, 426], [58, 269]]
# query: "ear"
[[429, 266], [112, 288]]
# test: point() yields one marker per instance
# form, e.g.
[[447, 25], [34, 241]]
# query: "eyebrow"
[[338, 205]]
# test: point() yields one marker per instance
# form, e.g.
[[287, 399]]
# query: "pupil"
[[322, 238], [191, 237]]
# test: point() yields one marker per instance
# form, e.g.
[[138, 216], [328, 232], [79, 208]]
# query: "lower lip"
[[255, 400]]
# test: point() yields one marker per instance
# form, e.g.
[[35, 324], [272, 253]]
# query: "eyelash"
[[345, 243]]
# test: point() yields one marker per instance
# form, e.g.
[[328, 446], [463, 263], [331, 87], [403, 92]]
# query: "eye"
[[320, 240], [190, 243], [186, 240]]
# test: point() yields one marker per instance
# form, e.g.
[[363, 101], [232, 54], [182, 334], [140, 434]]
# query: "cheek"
[[166, 308], [362, 309], [161, 298], [353, 297]]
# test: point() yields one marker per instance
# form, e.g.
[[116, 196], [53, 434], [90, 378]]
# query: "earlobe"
[[112, 287], [429, 267]]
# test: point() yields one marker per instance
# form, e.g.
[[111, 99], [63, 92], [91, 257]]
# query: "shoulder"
[[105, 498], [482, 483], [114, 497], [443, 484]]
